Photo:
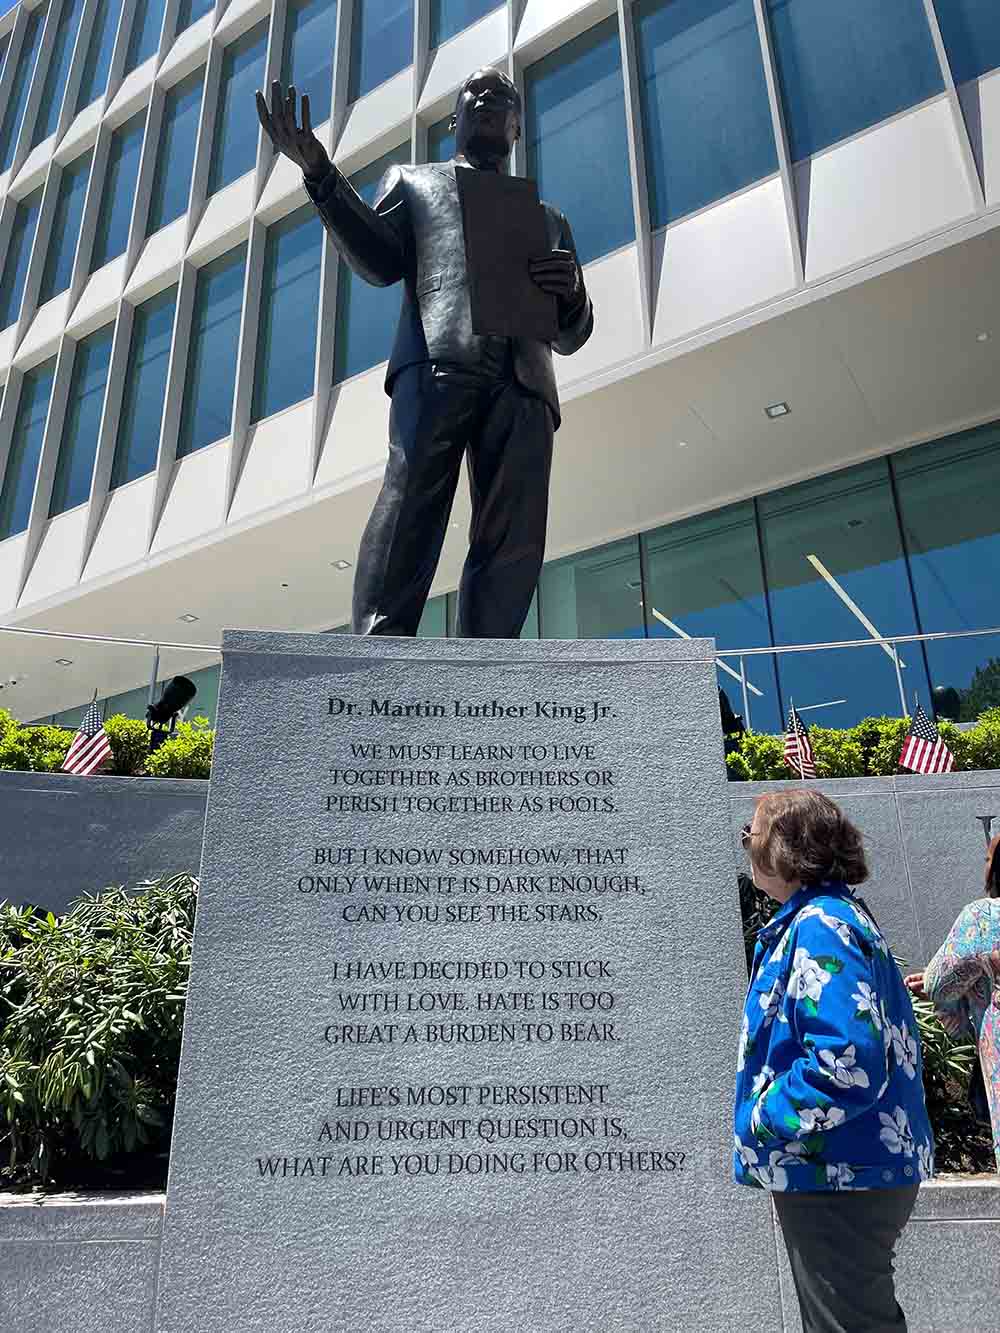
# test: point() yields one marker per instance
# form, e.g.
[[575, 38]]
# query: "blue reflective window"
[[307, 58], [99, 51], [947, 497], [576, 138], [826, 542], [971, 32], [366, 316], [190, 11], [25, 450], [65, 228], [85, 406], [705, 113], [381, 43], [234, 149], [15, 270], [846, 66], [593, 595], [145, 39], [118, 193], [211, 362], [449, 17], [17, 99], [175, 157], [55, 78], [441, 141], [704, 578], [145, 388], [284, 371]]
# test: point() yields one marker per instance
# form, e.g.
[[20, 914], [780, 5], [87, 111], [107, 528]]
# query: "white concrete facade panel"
[[122, 535], [276, 462], [882, 190], [193, 505], [56, 566], [356, 440]]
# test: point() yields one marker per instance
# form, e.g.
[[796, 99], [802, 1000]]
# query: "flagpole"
[[899, 677]]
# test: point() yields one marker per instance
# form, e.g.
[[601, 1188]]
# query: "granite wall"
[[63, 836], [89, 1263]]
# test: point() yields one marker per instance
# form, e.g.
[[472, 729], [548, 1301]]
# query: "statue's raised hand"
[[280, 122]]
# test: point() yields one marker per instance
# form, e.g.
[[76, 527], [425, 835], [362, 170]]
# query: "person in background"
[[830, 1114], [962, 981]]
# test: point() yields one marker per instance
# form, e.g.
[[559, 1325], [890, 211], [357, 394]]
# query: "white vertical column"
[[8, 415], [48, 460], [272, 70], [116, 71], [75, 74], [637, 166], [245, 360], [108, 436], [969, 163], [205, 137], [91, 212], [781, 139], [421, 60], [166, 454], [341, 72], [39, 249]]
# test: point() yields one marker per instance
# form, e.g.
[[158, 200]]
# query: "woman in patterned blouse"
[[962, 981]]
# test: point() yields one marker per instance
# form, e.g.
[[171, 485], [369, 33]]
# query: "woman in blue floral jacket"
[[830, 1112]]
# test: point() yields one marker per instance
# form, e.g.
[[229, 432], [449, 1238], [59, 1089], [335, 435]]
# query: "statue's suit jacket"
[[414, 234]]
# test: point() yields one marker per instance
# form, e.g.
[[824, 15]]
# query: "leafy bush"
[[188, 753], [34, 749], [129, 739], [90, 1040], [870, 749]]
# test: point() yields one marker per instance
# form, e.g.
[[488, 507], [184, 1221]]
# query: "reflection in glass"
[[381, 43], [118, 193], [99, 52], [78, 447], [65, 228], [15, 271], [847, 66], [705, 113], [704, 579], [971, 32], [175, 157], [827, 543], [211, 364], [145, 39], [284, 372], [948, 501], [25, 450], [55, 78], [441, 141], [366, 315], [434, 621], [307, 59], [449, 17], [576, 139], [234, 150], [190, 11], [145, 386], [594, 595], [17, 96]]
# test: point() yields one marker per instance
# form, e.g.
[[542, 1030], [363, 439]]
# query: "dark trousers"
[[841, 1246], [440, 416]]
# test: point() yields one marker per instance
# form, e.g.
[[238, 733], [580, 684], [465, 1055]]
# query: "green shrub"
[[129, 739], [89, 1047], [188, 753], [759, 758], [34, 749], [961, 1142], [838, 754], [7, 724], [983, 741]]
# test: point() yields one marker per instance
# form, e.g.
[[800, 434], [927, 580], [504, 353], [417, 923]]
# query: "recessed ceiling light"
[[341, 564], [284, 585], [188, 618], [682, 444], [64, 661], [855, 522], [777, 410], [982, 337]]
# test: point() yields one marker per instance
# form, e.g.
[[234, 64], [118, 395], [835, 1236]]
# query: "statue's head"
[[487, 119]]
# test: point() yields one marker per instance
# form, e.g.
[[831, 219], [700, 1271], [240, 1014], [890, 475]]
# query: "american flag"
[[90, 745], [798, 751], [923, 750]]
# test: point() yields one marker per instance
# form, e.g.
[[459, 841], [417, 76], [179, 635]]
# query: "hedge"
[[870, 749]]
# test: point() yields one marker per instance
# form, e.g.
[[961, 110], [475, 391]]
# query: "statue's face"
[[487, 115]]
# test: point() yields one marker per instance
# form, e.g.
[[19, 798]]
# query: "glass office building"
[[783, 432]]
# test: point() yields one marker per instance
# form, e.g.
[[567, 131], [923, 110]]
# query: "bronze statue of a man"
[[455, 393]]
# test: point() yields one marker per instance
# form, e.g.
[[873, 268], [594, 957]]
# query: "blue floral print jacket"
[[829, 1087]]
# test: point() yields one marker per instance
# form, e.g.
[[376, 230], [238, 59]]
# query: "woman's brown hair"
[[802, 836]]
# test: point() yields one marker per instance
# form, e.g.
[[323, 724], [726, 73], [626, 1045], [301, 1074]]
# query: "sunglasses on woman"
[[746, 833]]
